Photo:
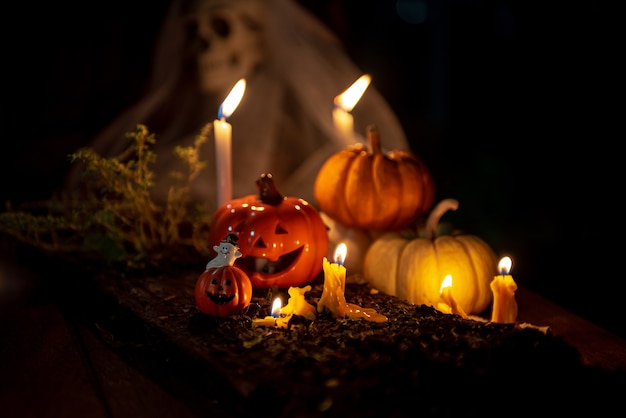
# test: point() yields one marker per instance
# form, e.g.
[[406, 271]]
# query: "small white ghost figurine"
[[227, 252]]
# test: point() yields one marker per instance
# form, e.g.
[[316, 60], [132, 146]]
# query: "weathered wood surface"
[[138, 348], [58, 360], [52, 367], [597, 346]]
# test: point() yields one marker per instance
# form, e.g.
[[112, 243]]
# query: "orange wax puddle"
[[335, 302], [369, 314]]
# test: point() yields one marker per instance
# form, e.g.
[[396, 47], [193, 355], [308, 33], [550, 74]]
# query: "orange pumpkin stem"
[[435, 215], [268, 193], [373, 139]]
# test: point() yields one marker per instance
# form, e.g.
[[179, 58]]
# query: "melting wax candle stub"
[[503, 287], [333, 298], [334, 287], [450, 304], [296, 305]]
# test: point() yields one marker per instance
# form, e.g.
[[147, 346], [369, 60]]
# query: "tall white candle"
[[223, 142], [344, 103]]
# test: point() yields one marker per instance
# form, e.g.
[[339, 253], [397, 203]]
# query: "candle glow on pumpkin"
[[344, 103], [503, 287], [450, 305], [223, 142]]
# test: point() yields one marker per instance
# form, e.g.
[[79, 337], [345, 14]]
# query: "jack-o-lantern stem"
[[373, 140], [435, 215], [268, 193]]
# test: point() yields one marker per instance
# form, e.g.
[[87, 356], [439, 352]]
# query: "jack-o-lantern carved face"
[[283, 240], [223, 291]]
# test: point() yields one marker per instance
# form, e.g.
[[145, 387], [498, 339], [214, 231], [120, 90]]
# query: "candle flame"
[[349, 98], [447, 282], [231, 101], [276, 307], [340, 253], [505, 264]]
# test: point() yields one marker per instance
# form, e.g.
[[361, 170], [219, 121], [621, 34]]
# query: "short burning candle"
[[297, 305], [333, 298], [503, 287], [271, 320], [451, 304], [333, 294]]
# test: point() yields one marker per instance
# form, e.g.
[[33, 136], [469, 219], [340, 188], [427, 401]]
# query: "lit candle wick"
[[276, 307]]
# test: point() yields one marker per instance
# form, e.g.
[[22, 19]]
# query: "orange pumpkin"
[[413, 264], [368, 189], [283, 240], [223, 291]]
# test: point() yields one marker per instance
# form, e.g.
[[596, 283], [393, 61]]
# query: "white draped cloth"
[[283, 124]]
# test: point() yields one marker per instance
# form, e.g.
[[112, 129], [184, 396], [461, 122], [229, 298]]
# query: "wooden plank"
[[131, 322], [128, 391], [56, 360], [597, 346], [44, 371], [151, 356], [241, 357]]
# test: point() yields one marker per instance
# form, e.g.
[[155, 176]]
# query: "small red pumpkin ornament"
[[283, 239], [223, 289]]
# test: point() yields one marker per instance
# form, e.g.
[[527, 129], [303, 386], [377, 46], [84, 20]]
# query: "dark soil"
[[419, 363]]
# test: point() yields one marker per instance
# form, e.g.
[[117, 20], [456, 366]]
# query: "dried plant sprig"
[[118, 217]]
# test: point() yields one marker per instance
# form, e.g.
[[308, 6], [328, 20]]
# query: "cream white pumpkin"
[[412, 264]]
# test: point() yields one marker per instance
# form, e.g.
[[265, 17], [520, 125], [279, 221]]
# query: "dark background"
[[512, 104]]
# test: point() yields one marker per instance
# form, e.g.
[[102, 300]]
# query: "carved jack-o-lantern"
[[223, 289], [283, 239]]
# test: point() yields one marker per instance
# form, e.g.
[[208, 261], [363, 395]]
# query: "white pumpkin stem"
[[373, 139], [435, 215]]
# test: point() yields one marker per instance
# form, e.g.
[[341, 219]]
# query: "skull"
[[228, 41]]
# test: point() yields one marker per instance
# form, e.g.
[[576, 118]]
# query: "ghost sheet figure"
[[227, 252], [294, 67]]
